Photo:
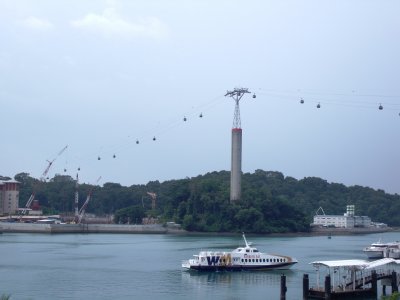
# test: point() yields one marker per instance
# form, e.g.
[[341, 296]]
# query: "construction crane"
[[83, 208], [153, 199], [42, 178]]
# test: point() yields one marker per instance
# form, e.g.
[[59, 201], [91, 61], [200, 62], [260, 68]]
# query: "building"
[[347, 220], [9, 197]]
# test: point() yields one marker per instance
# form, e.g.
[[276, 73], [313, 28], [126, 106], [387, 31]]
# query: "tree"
[[132, 214]]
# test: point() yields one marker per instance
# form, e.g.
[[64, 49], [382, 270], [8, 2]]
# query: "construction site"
[[30, 218]]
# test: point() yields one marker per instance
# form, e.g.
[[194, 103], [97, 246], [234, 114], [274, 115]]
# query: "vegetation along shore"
[[271, 202]]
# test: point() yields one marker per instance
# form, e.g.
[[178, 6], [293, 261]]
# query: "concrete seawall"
[[81, 228], [345, 231]]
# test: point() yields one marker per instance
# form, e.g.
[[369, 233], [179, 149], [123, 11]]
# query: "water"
[[136, 266]]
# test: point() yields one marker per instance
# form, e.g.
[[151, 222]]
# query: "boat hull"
[[234, 268], [374, 254]]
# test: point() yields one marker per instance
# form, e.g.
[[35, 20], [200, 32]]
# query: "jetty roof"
[[355, 263], [381, 262], [341, 263]]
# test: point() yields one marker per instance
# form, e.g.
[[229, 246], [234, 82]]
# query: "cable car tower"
[[236, 158]]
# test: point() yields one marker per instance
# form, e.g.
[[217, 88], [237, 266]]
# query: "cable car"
[[154, 138], [65, 170], [79, 169], [201, 115], [98, 158], [137, 141], [184, 119], [254, 96], [380, 106], [301, 100], [114, 156], [319, 105]]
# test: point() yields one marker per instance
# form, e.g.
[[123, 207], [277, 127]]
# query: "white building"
[[347, 220], [9, 197]]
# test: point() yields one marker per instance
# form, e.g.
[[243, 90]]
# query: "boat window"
[[247, 250], [263, 259], [242, 260], [253, 259], [245, 260], [255, 250]]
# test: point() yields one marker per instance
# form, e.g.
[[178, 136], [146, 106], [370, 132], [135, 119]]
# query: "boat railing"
[[211, 253]]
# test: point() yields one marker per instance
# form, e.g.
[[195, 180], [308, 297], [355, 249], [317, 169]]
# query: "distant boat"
[[379, 250], [48, 221], [242, 258]]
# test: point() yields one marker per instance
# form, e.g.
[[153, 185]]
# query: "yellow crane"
[[153, 197]]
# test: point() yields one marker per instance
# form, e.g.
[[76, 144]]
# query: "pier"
[[352, 279]]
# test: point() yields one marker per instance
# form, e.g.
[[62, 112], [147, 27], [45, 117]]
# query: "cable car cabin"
[[154, 138], [98, 158], [137, 141], [114, 156], [65, 170], [201, 115], [184, 119], [380, 107], [302, 101], [254, 96], [319, 105]]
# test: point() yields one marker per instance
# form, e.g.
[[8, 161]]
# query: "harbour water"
[[140, 266]]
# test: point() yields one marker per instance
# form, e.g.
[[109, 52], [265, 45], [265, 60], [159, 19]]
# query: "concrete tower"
[[236, 158]]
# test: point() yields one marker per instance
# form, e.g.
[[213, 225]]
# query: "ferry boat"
[[380, 250], [240, 259]]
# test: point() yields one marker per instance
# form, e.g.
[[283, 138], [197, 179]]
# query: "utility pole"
[[76, 197]]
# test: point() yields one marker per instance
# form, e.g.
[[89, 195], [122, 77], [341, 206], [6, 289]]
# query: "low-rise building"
[[347, 220]]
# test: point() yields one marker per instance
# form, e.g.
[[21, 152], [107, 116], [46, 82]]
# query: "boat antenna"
[[245, 241]]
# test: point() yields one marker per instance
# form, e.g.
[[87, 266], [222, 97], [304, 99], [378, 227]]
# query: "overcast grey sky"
[[97, 75]]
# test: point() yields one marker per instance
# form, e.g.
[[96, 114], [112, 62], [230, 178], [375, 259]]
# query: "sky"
[[99, 75]]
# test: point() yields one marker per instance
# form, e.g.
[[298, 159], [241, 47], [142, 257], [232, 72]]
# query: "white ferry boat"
[[242, 258], [380, 250]]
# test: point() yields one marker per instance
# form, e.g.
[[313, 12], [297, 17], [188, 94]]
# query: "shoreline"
[[161, 229]]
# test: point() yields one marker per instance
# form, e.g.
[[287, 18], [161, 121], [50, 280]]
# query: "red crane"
[[42, 178]]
